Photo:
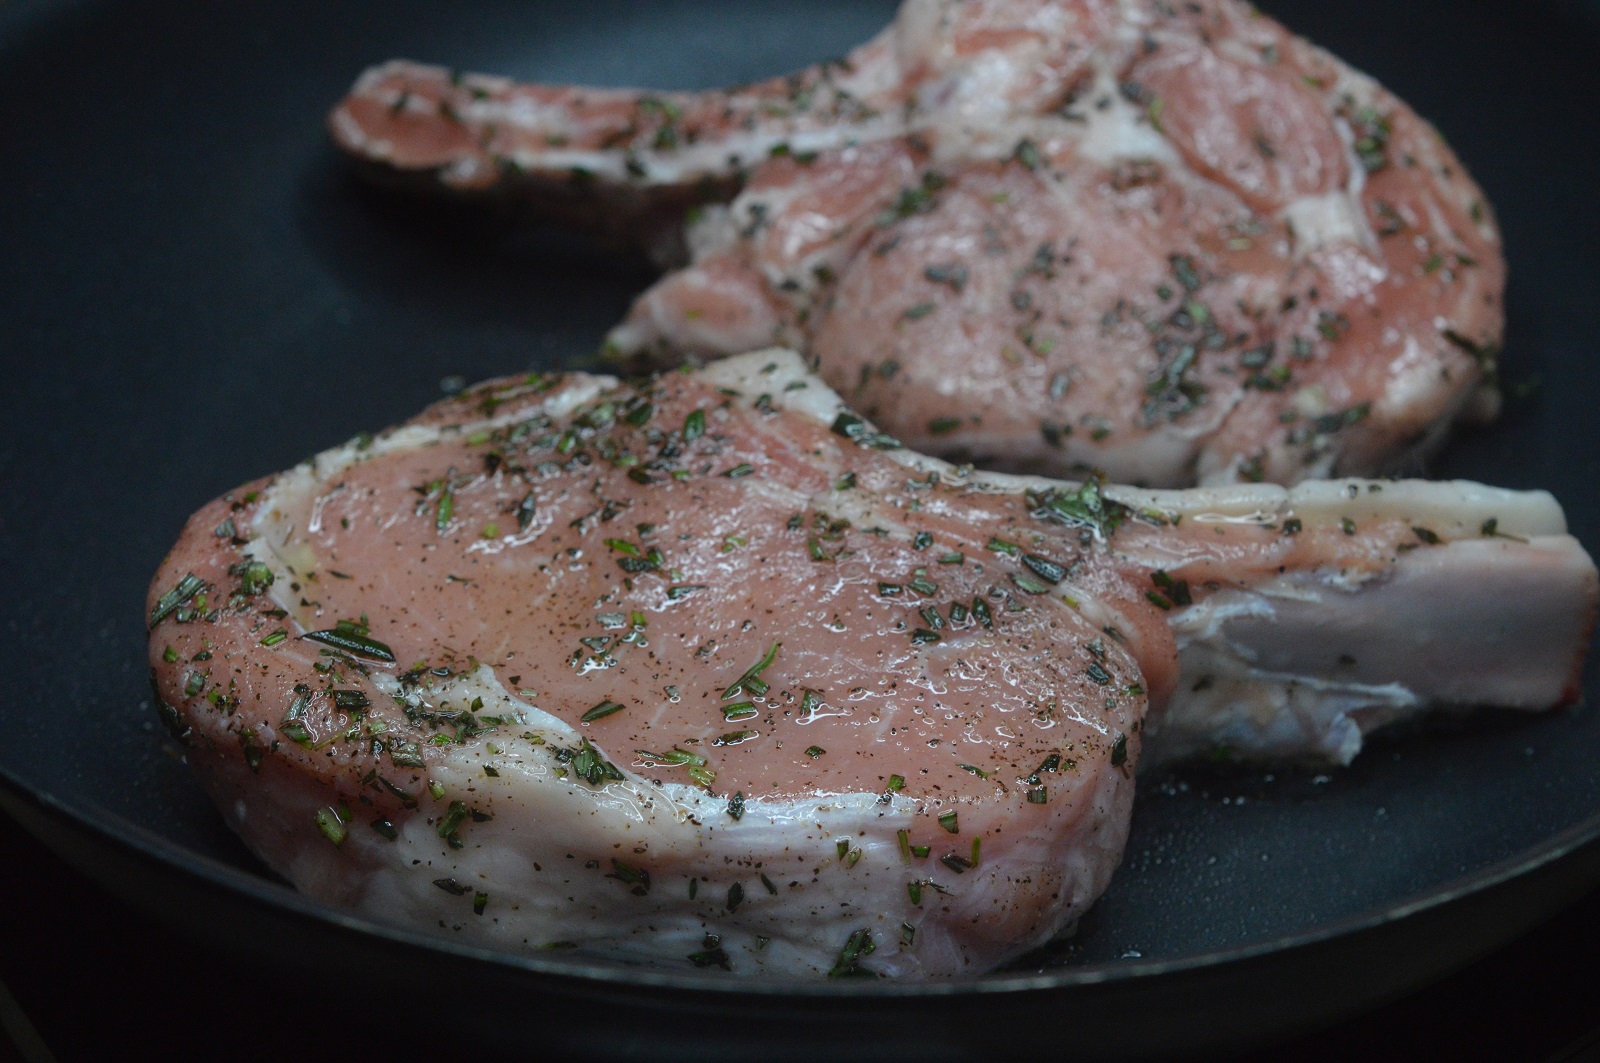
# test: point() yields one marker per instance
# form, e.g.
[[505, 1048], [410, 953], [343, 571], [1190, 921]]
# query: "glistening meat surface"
[[1171, 242], [710, 672]]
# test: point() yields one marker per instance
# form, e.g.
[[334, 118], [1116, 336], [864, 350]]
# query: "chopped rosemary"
[[186, 588], [331, 826], [637, 879], [352, 640], [600, 711], [739, 710], [857, 946], [751, 681], [588, 765]]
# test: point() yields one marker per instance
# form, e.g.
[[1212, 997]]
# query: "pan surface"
[[194, 291]]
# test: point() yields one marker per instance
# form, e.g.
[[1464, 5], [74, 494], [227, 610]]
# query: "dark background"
[[193, 292]]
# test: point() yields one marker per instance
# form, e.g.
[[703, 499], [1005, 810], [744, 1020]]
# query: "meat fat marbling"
[[708, 672]]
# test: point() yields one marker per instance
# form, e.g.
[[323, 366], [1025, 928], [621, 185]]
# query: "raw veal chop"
[[708, 671], [1168, 241]]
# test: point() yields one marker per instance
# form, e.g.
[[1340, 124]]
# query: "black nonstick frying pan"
[[195, 291]]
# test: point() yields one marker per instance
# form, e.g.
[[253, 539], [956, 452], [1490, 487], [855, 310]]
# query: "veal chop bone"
[[708, 671], [1171, 242]]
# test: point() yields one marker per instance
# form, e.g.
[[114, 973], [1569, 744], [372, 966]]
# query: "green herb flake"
[[454, 816], [254, 577], [858, 946], [1027, 153], [587, 764], [637, 879], [712, 954], [750, 680], [1029, 585], [1119, 751], [1084, 508], [168, 603], [352, 639], [601, 711], [1045, 568], [445, 511], [331, 825], [1176, 591], [674, 757], [853, 427]]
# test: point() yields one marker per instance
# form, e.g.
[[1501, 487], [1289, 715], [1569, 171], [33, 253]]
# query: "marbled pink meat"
[[706, 671], [1172, 242]]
